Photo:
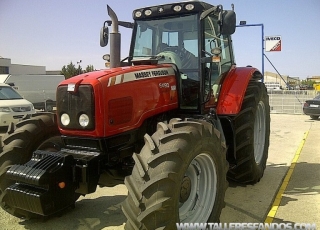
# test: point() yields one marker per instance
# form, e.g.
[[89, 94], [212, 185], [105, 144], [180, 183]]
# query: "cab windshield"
[[177, 37]]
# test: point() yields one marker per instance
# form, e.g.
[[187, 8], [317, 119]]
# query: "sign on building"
[[272, 43]]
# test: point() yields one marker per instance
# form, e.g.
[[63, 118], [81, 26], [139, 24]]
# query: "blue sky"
[[53, 33]]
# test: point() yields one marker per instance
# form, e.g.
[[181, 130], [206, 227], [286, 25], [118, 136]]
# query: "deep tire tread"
[[157, 175], [246, 169]]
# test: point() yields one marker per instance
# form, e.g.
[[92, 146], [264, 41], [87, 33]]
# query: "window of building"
[[4, 70]]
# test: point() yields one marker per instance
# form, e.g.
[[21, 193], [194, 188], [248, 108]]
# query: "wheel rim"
[[259, 132], [197, 200]]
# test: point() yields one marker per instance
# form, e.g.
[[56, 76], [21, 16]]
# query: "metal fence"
[[289, 101]]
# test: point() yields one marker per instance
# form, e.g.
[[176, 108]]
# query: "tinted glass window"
[[7, 93]]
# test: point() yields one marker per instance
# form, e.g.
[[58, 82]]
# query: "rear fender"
[[233, 89]]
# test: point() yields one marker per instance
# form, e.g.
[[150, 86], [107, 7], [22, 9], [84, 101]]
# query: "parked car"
[[39, 89], [312, 107], [13, 107]]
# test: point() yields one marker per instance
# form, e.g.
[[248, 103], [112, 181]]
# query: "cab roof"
[[170, 9]]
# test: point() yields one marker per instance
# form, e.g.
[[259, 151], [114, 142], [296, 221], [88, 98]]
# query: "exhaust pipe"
[[115, 40]]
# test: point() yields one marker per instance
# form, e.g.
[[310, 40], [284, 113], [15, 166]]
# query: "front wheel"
[[179, 177]]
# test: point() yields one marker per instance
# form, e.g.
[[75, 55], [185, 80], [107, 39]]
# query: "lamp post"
[[244, 24], [79, 67]]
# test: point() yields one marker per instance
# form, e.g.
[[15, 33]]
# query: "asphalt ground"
[[300, 197], [293, 165], [288, 192]]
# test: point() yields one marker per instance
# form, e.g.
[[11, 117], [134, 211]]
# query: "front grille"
[[82, 143], [21, 109], [75, 104]]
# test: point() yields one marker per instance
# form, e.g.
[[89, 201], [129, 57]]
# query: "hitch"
[[45, 185]]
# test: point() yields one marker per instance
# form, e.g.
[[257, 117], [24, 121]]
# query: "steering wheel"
[[175, 49], [170, 56], [226, 63]]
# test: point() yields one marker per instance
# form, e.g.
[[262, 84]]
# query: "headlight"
[[65, 119], [4, 109], [148, 12], [84, 120], [138, 14], [189, 7], [177, 8]]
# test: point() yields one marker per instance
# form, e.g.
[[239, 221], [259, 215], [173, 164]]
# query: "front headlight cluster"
[[161, 9], [83, 120]]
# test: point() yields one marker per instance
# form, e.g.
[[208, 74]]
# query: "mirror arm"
[[220, 19], [213, 9], [128, 25], [207, 12]]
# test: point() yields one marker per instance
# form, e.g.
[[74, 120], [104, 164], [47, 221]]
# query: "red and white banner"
[[272, 43]]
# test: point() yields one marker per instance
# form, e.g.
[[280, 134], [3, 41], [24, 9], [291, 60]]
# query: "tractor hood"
[[107, 102]]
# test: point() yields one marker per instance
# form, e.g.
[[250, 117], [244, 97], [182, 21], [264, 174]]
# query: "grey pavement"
[[244, 203], [251, 203], [300, 202]]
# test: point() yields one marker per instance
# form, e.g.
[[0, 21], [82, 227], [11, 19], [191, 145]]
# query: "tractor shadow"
[[89, 213], [251, 203]]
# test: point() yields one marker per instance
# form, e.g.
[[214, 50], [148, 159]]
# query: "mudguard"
[[233, 89]]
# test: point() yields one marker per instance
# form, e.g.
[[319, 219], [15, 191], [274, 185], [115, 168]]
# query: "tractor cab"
[[195, 37]]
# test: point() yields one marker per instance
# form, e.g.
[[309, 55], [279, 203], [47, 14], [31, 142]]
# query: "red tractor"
[[172, 122]]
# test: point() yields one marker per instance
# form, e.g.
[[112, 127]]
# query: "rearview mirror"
[[228, 25], [104, 36]]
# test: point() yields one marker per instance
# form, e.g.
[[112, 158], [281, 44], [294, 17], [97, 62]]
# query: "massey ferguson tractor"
[[173, 121]]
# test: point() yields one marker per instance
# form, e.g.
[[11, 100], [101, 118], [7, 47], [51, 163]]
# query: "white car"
[[12, 105]]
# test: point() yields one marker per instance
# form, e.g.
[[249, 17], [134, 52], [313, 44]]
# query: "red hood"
[[124, 97]]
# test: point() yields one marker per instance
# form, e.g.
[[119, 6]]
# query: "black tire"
[[178, 163], [252, 132], [22, 139], [313, 117]]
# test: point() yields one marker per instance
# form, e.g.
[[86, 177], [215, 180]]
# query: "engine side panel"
[[233, 89], [135, 96]]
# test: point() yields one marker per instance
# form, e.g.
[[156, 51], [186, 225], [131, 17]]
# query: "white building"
[[6, 67], [275, 79]]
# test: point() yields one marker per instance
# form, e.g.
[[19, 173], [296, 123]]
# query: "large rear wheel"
[[252, 131], [40, 132], [179, 177]]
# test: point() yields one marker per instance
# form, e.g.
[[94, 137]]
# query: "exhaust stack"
[[115, 40]]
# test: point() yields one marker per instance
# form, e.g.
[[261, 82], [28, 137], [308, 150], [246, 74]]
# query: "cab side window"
[[221, 62], [215, 40]]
